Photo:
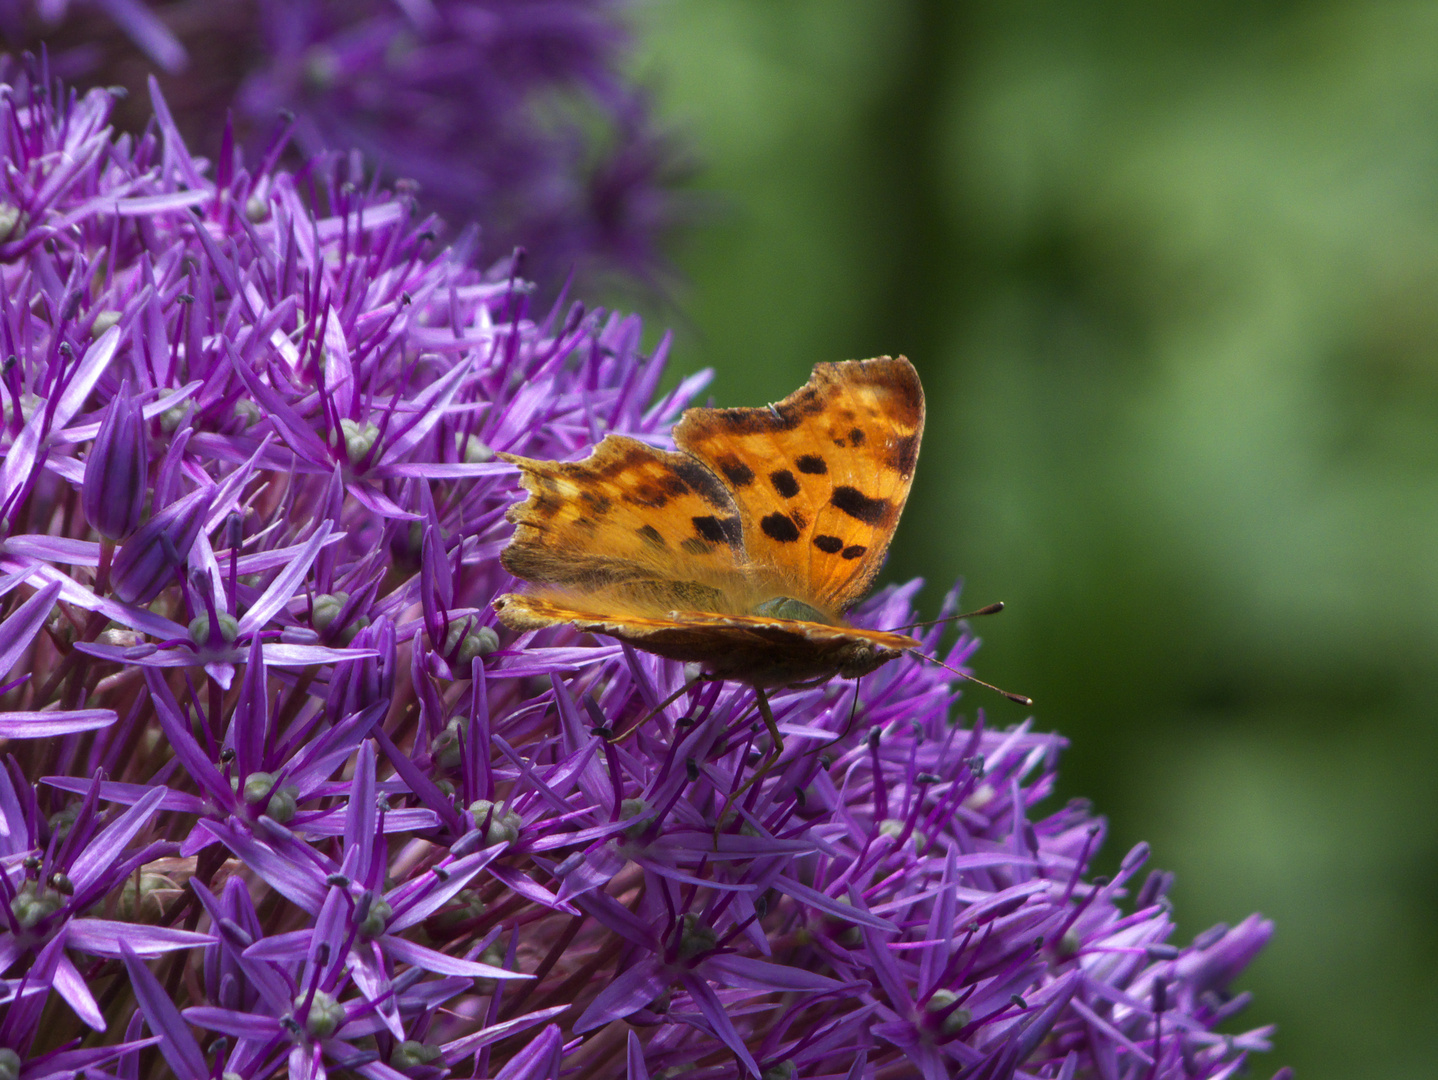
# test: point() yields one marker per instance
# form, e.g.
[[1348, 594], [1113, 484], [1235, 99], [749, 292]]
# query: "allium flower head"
[[513, 113], [303, 807]]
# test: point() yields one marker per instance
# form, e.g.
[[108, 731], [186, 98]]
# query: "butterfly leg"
[[762, 700], [703, 676]]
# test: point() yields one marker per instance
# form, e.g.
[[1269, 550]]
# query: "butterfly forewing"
[[820, 478], [685, 554]]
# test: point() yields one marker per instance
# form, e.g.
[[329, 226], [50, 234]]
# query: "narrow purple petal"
[[105, 849], [71, 986], [493, 1033], [427, 959], [713, 1010], [241, 1025], [177, 1044], [105, 936], [627, 994], [539, 1060], [39, 725], [24, 623]]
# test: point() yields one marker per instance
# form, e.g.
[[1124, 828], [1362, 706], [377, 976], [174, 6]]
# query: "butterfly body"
[[740, 550]]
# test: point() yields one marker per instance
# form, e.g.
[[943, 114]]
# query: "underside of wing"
[[752, 649], [820, 478]]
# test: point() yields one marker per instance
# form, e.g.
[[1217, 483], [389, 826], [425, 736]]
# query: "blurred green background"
[[1170, 275]]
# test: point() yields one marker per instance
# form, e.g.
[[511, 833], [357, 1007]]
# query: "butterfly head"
[[861, 656]]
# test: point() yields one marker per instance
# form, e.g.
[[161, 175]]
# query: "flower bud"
[[325, 1016], [499, 826], [117, 470], [146, 562]]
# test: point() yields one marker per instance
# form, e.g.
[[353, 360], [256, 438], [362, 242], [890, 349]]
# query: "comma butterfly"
[[741, 551]]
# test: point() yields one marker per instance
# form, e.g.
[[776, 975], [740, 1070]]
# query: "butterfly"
[[741, 550]]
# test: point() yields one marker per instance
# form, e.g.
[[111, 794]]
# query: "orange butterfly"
[[741, 551]]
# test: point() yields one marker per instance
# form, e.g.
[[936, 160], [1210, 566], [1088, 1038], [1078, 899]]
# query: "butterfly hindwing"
[[763, 652], [628, 515]]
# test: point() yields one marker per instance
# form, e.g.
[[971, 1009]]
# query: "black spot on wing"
[[803, 402], [904, 454], [856, 437], [736, 472], [648, 494], [718, 530], [812, 464], [780, 527], [598, 504], [829, 545], [755, 421], [853, 551], [650, 535], [784, 483], [859, 506], [703, 482]]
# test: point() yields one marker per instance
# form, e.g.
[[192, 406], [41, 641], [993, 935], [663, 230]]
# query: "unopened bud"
[[117, 470]]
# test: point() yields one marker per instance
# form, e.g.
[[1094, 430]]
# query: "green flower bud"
[[200, 628], [284, 804], [258, 786], [1069, 944], [327, 607], [325, 1015], [359, 438], [640, 812], [474, 451], [33, 903], [409, 1054], [477, 641], [503, 825], [378, 918], [493, 955], [63, 820], [940, 1000], [12, 221], [444, 748], [697, 938]]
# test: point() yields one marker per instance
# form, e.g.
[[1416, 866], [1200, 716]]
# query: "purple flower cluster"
[[514, 113], [280, 798]]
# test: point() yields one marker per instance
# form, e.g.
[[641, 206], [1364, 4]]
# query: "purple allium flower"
[[513, 113], [299, 792]]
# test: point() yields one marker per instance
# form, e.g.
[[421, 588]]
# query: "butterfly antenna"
[[992, 609], [1020, 698]]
